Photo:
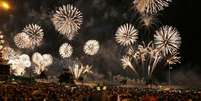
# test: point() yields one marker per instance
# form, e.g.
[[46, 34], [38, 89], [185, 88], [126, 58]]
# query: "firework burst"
[[47, 59], [79, 69], [8, 53], [25, 60], [41, 61], [35, 33], [91, 47], [22, 40], [67, 20], [65, 50], [17, 70], [150, 6], [126, 62], [146, 58], [19, 64], [141, 57], [173, 58], [37, 58], [167, 39], [126, 35]]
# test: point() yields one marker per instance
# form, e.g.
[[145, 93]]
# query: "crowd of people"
[[57, 92]]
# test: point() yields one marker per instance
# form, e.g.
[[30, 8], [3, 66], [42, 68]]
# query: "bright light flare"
[[5, 5]]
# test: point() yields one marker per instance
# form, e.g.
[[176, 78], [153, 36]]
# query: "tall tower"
[[4, 67], [2, 44]]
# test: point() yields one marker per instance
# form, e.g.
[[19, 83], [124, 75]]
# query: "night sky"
[[101, 20]]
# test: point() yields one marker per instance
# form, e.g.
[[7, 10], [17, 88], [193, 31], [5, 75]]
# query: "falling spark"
[[126, 35], [67, 20]]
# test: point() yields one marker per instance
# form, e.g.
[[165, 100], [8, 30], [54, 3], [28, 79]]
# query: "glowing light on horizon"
[[5, 5]]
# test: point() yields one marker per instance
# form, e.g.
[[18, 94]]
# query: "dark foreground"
[[55, 92]]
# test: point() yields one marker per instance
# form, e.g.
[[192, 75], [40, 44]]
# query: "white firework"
[[126, 62], [19, 64], [126, 35], [67, 20], [79, 69], [47, 59], [8, 53], [17, 70], [37, 58], [41, 61], [22, 40], [173, 58], [150, 6], [65, 50], [25, 60], [167, 39], [91, 47], [35, 33]]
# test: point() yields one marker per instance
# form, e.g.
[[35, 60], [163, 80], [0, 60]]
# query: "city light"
[[4, 5]]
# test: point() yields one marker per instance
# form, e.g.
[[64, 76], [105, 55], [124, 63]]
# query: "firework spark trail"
[[67, 20], [150, 6], [91, 47], [65, 50], [126, 35], [126, 62], [173, 58], [146, 57], [35, 33], [167, 39], [153, 66], [79, 69]]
